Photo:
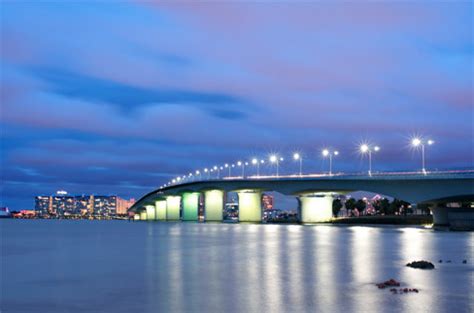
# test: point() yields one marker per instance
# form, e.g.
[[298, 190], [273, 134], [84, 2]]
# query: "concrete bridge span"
[[315, 194]]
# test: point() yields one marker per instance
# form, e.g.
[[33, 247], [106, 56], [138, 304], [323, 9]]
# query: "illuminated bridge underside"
[[414, 188], [213, 205], [190, 206], [173, 204], [316, 208], [250, 206], [160, 210]]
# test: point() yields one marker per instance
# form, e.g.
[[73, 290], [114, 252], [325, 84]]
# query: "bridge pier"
[[250, 206], [190, 206], [173, 204], [440, 216], [150, 212], [213, 205], [143, 215], [160, 210], [316, 208]]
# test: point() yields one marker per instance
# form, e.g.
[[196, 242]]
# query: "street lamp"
[[365, 148], [417, 142], [239, 163], [227, 166], [198, 173], [330, 154], [275, 159], [257, 163], [208, 174], [217, 169], [298, 157]]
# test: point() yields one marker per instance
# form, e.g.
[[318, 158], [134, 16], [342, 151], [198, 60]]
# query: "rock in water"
[[425, 265]]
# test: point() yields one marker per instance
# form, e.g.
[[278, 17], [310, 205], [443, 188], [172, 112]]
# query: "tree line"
[[381, 206]]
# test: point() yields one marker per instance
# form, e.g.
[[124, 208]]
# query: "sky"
[[117, 97]]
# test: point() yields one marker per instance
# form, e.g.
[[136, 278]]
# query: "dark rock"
[[425, 265], [464, 261], [389, 283]]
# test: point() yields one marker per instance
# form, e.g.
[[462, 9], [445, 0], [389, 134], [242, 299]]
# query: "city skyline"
[[121, 98]]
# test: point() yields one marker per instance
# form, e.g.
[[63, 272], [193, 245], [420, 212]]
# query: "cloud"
[[130, 98]]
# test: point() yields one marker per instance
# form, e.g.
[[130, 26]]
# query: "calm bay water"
[[117, 266]]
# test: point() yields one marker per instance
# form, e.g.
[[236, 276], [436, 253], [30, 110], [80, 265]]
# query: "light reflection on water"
[[103, 266]]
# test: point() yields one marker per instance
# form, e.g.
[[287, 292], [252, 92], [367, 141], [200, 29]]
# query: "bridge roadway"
[[315, 194]]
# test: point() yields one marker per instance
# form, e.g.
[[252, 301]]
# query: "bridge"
[[315, 194]]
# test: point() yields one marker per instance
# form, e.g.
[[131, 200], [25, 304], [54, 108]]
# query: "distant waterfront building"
[[43, 204], [63, 205], [267, 202], [123, 205]]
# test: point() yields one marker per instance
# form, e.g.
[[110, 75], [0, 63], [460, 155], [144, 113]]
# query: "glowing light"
[[273, 158], [173, 181], [205, 170], [296, 156], [246, 163], [376, 148], [226, 165], [416, 142], [221, 168], [233, 165], [430, 142], [262, 161], [364, 148], [325, 152], [254, 161], [215, 167], [336, 152], [197, 172], [178, 179], [239, 163]]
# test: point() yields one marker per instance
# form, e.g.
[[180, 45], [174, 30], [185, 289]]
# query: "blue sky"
[[120, 97]]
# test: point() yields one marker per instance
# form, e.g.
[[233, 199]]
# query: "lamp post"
[[298, 157], [365, 148], [275, 159], [216, 168], [208, 174], [227, 166], [417, 142], [239, 163], [330, 154], [198, 173]]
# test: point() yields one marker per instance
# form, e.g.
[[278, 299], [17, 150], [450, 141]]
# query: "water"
[[118, 266]]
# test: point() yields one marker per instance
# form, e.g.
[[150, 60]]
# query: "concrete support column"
[[250, 206], [440, 216], [173, 204], [150, 212], [160, 210], [136, 216], [190, 206], [214, 205], [143, 215], [316, 208]]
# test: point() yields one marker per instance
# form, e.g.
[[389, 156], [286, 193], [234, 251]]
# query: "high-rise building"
[[83, 206], [105, 205], [43, 204]]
